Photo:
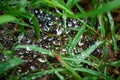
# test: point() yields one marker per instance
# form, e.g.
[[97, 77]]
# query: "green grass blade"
[[112, 31], [35, 48], [6, 18], [36, 26], [46, 72], [107, 7], [9, 64], [76, 75], [96, 73], [77, 37], [59, 4], [114, 63], [87, 52], [71, 3], [41, 73], [81, 10], [34, 20]]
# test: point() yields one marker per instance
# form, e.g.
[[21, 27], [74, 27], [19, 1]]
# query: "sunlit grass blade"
[[35, 48], [87, 52], [9, 64], [107, 7], [6, 18]]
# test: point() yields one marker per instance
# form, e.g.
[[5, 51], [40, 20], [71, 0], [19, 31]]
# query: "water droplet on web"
[[20, 53], [74, 21], [45, 37], [64, 50], [50, 39], [33, 68], [38, 16], [34, 55], [76, 26], [59, 31], [29, 41], [41, 60], [36, 11], [69, 24], [41, 11], [51, 23], [80, 43], [27, 72], [28, 49], [49, 18]]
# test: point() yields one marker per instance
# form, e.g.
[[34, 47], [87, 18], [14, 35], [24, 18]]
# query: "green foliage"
[[106, 8], [4, 66], [6, 18], [35, 48]]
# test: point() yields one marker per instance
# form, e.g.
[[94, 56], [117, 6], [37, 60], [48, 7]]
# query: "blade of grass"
[[71, 3], [78, 36], [46, 72], [96, 73], [36, 27], [77, 77], [56, 72], [107, 7], [6, 18], [34, 48], [41, 73], [60, 4], [9, 64], [34, 20], [112, 31], [114, 63], [87, 52], [81, 10]]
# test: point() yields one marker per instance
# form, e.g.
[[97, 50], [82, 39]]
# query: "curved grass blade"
[[35, 48], [6, 18], [59, 4], [9, 64]]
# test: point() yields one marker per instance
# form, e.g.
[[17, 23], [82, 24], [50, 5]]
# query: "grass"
[[71, 64]]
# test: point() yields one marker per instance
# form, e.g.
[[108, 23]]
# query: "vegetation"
[[97, 23]]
